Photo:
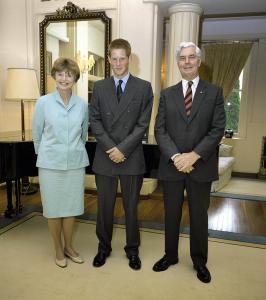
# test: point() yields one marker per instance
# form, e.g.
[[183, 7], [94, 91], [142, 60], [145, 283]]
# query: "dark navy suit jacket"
[[201, 132], [120, 124]]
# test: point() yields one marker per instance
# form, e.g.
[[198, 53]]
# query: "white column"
[[184, 27]]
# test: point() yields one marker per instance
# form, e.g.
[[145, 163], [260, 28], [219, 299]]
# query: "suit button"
[[126, 127]]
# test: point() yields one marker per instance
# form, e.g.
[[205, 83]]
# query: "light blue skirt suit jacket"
[[59, 136]]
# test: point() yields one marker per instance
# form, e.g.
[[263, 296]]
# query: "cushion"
[[225, 150], [225, 163]]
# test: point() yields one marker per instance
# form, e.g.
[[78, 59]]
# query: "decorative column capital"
[[185, 7]]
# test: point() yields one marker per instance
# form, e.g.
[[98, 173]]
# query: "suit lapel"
[[126, 98], [198, 99], [111, 92], [179, 99]]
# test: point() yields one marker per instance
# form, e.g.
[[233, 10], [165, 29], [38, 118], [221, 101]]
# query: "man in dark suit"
[[189, 126], [119, 117]]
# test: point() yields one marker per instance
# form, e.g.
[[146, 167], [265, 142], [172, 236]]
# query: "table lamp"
[[21, 85]]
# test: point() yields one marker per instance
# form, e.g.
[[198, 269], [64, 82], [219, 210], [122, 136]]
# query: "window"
[[232, 107]]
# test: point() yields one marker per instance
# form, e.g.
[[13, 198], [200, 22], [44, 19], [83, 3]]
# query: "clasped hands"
[[184, 162], [116, 155]]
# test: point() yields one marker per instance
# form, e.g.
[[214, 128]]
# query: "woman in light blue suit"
[[60, 126]]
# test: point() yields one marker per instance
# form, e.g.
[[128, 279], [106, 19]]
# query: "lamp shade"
[[21, 84]]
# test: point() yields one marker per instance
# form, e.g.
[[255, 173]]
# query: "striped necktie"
[[188, 98], [119, 90]]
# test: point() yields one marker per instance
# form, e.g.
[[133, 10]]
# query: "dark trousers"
[[198, 201], [106, 190]]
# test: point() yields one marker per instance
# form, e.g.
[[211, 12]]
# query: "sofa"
[[149, 185], [225, 167]]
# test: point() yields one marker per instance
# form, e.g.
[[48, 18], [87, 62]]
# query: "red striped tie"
[[188, 98]]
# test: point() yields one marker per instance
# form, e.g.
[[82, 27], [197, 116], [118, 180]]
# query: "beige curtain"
[[225, 62]]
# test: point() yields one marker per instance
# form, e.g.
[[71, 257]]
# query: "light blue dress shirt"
[[124, 79], [60, 132]]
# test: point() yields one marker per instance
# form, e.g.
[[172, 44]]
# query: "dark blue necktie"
[[119, 90]]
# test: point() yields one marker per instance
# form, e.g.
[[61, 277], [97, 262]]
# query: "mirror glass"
[[80, 35]]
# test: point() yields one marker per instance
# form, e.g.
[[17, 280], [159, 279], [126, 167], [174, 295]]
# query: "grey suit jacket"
[[120, 124], [201, 132]]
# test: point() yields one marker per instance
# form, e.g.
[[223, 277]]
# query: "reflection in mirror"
[[80, 35]]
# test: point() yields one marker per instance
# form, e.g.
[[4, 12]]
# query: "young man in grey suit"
[[119, 117], [189, 126]]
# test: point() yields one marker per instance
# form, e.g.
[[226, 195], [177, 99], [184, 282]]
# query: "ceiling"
[[243, 28], [217, 6], [234, 28]]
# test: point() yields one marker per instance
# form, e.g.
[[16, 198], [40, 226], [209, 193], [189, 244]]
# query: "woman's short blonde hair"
[[66, 64]]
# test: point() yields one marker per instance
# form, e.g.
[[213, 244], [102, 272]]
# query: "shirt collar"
[[195, 82], [72, 100], [125, 79]]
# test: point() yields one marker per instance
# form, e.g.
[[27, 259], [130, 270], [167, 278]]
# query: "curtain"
[[225, 63]]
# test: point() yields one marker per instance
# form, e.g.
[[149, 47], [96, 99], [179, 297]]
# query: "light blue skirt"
[[62, 192]]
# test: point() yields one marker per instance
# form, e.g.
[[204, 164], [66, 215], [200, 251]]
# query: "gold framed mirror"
[[81, 35]]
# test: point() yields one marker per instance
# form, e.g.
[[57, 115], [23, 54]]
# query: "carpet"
[[28, 271], [245, 189], [27, 209]]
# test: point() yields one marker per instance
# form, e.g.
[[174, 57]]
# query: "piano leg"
[[18, 196], [10, 210]]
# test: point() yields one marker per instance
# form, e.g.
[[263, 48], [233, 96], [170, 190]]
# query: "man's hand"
[[116, 155], [185, 161]]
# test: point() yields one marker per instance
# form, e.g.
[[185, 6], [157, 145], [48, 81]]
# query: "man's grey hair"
[[187, 45]]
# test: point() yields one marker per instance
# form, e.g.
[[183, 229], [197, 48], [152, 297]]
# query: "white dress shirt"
[[193, 87]]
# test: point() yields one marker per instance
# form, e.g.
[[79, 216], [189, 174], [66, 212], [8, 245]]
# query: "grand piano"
[[18, 160]]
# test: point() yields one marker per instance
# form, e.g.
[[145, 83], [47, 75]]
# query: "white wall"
[[136, 26], [13, 53], [142, 25]]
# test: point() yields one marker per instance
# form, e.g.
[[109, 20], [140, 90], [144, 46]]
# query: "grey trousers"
[[106, 191], [198, 203]]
